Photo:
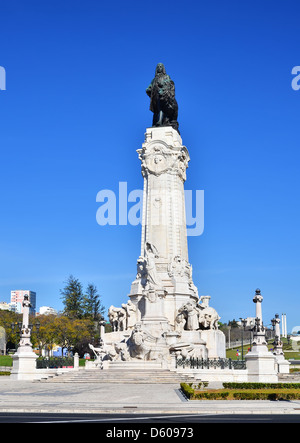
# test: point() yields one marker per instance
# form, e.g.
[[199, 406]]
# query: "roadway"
[[27, 401]]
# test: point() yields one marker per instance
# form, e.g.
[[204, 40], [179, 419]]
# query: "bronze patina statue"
[[163, 103]]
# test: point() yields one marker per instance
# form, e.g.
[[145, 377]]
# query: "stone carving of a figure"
[[162, 95], [137, 347], [152, 276], [192, 317], [130, 314]]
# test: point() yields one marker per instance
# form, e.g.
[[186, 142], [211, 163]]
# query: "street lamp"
[[37, 325], [276, 338], [244, 322]]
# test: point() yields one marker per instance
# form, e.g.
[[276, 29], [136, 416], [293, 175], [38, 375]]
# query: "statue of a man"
[[163, 103]]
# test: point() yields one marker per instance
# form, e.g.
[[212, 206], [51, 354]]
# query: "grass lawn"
[[5, 360], [231, 353]]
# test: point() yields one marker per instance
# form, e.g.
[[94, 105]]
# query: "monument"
[[261, 363], [282, 363], [24, 360], [164, 315]]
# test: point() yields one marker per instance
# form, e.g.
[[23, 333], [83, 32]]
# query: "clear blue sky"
[[75, 111]]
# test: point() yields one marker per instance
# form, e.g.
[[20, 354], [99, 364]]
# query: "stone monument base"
[[215, 343], [261, 367], [120, 346], [283, 365], [24, 365]]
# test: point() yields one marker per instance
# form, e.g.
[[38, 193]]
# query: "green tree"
[[70, 331], [7, 318], [47, 333], [72, 298], [92, 306]]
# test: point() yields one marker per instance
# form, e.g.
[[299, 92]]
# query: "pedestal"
[[261, 365], [215, 343], [24, 365]]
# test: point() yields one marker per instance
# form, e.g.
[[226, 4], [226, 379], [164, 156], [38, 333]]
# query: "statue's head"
[[160, 69]]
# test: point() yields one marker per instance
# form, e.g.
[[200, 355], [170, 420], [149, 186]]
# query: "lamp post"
[[273, 322], [244, 322], [229, 328]]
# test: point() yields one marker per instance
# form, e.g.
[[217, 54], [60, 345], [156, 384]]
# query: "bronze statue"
[[163, 103]]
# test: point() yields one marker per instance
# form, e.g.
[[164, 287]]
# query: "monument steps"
[[116, 375]]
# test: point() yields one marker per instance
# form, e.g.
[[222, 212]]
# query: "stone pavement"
[[28, 396]]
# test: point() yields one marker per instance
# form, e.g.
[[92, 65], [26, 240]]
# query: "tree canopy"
[[80, 304]]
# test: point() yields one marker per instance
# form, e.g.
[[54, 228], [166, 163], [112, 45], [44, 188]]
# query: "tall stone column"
[[258, 298], [164, 162], [24, 360], [261, 363], [163, 265]]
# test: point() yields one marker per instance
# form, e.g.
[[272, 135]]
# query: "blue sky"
[[75, 111]]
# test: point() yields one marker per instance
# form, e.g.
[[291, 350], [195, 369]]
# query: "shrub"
[[261, 385], [211, 395], [266, 395], [187, 389]]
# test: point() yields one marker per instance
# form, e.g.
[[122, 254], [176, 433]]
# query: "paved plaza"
[[115, 398]]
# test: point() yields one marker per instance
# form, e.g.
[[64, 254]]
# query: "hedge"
[[255, 394], [187, 389], [261, 385], [211, 396], [266, 395]]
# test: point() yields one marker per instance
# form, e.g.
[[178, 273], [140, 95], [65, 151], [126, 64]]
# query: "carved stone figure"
[[208, 317], [117, 318], [187, 318], [113, 318], [192, 317], [177, 266], [122, 351], [180, 322], [163, 103], [142, 271], [137, 346], [152, 276], [122, 315], [130, 309]]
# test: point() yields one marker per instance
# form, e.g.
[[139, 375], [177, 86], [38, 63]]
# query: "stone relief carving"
[[192, 316], [180, 267], [139, 343], [118, 317], [159, 158]]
